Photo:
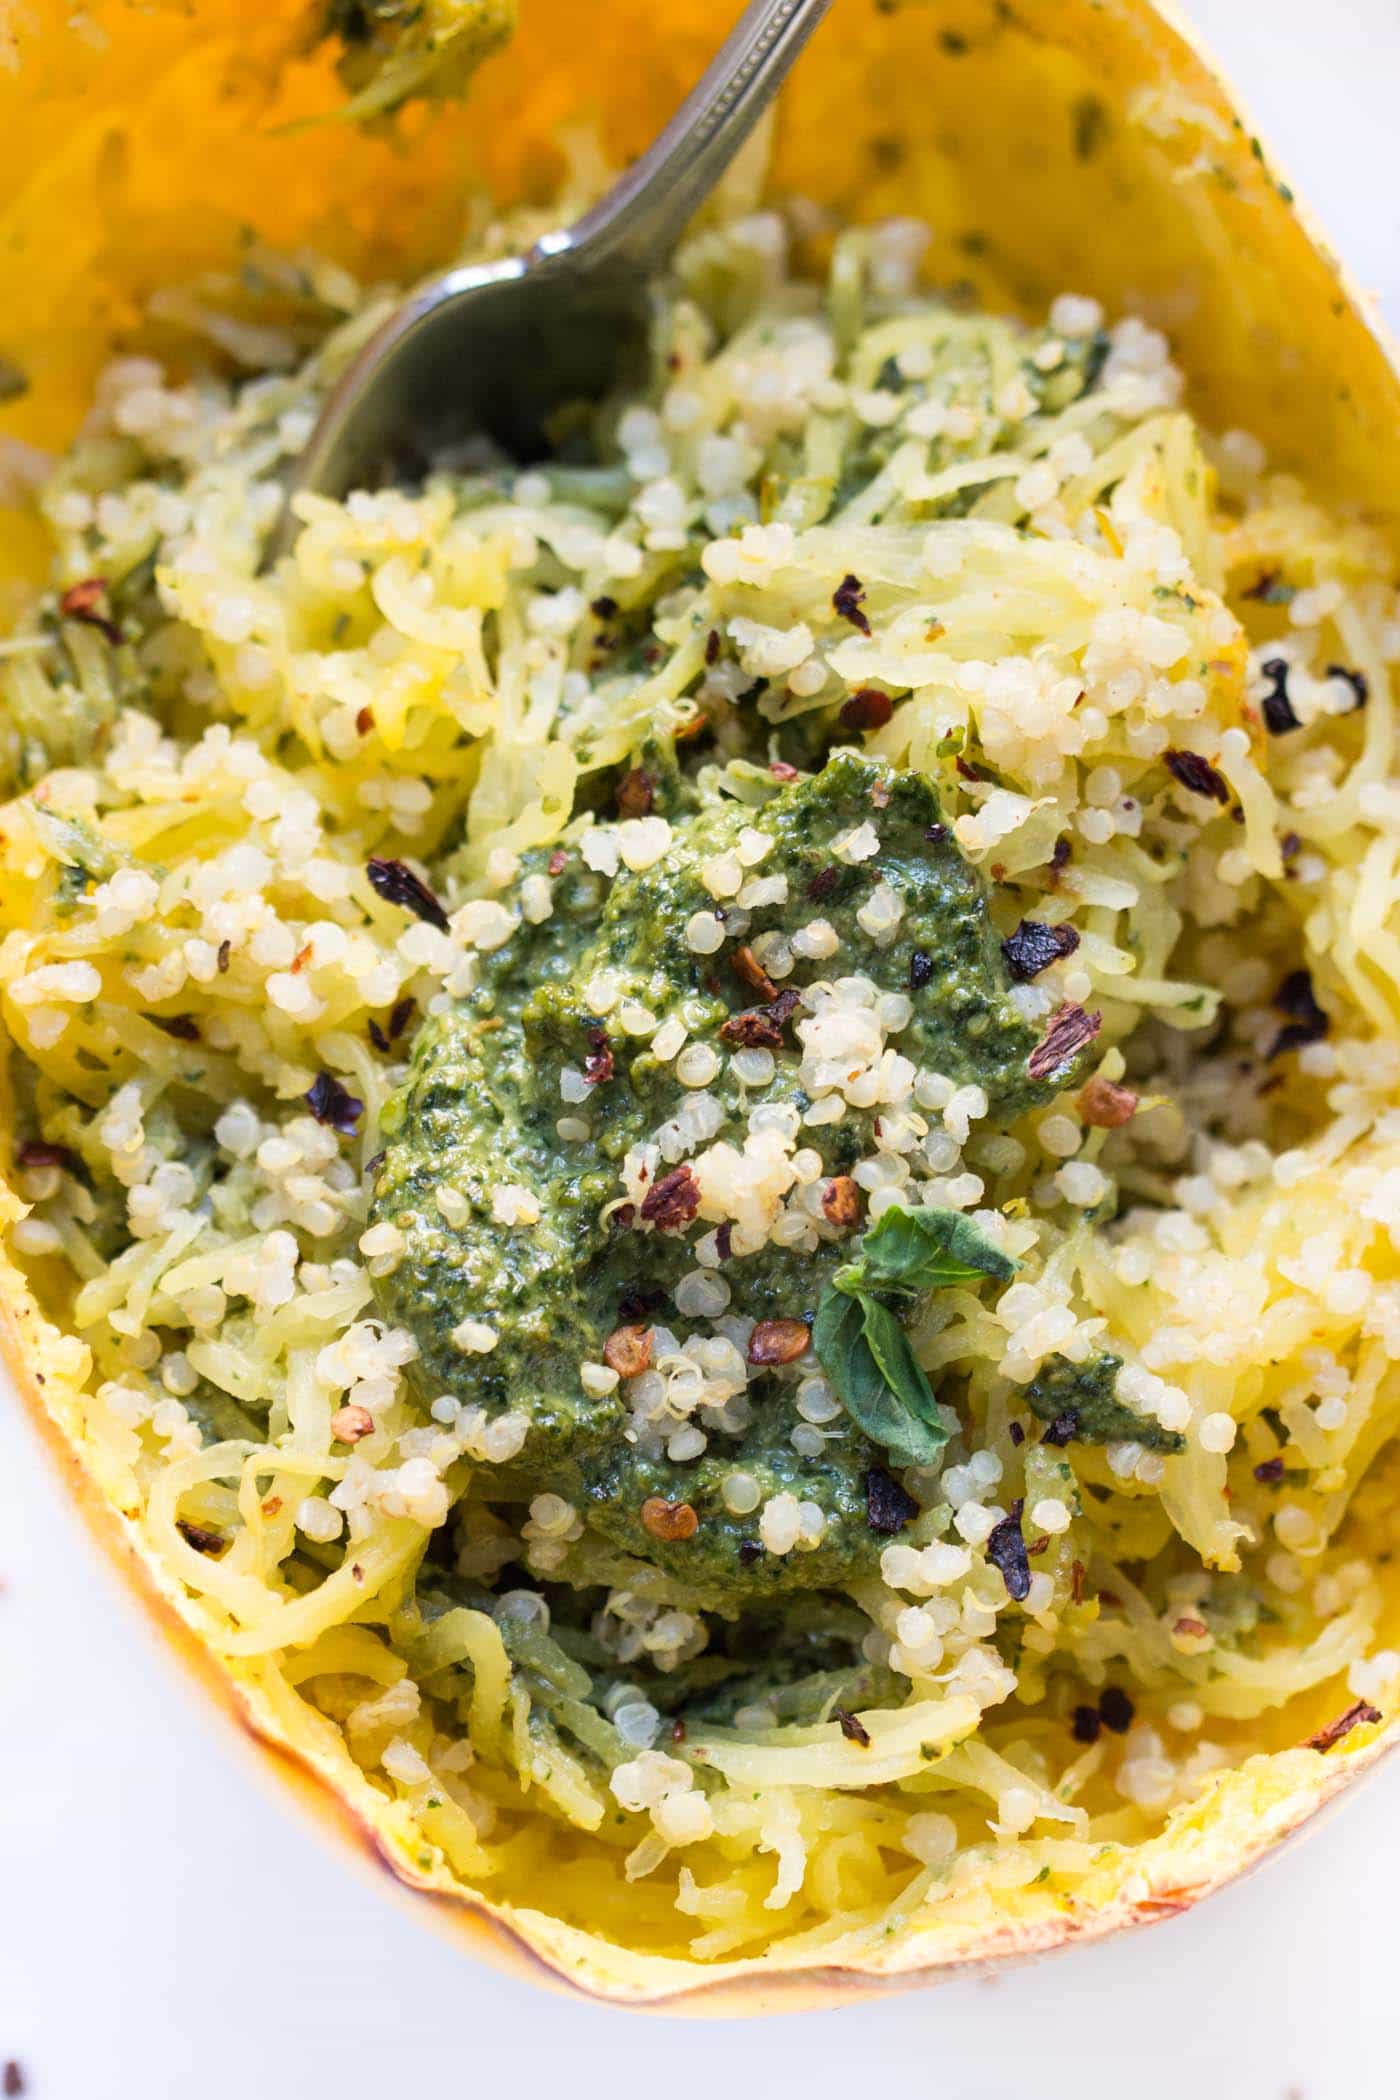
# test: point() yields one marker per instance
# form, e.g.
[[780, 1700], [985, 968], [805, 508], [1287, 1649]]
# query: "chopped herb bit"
[[1086, 1396], [1006, 1550], [1034, 946], [848, 599], [1197, 775], [332, 1103], [396, 883]]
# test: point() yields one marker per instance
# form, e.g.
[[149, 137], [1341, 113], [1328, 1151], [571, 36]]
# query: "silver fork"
[[494, 348]]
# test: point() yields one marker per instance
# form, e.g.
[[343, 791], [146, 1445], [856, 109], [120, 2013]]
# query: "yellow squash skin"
[[1063, 143]]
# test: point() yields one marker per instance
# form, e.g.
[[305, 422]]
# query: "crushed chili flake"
[[357, 1573], [1116, 1710], [1064, 1429], [351, 1422], [746, 964], [1034, 946], [851, 1726], [1197, 775], [1076, 1581], [638, 1301], [1191, 1629], [1017, 1434], [1084, 1724], [558, 861], [1269, 1472], [627, 1351], [1069, 1030], [1361, 1714], [334, 1104], [781, 770], [712, 646], [396, 883], [400, 1014], [920, 969], [364, 721], [724, 1240], [1103, 1105], [672, 1201], [888, 1507], [678, 1731], [1006, 1550], [1060, 856], [12, 2079], [779, 1342], [841, 1202], [1276, 706], [201, 1536], [1306, 1021], [599, 1064], [847, 600], [669, 1521], [867, 708], [1355, 679], [761, 1027], [87, 601], [636, 792], [224, 955], [968, 771], [37, 1152], [1290, 845], [377, 1037], [272, 1505], [182, 1026], [823, 883]]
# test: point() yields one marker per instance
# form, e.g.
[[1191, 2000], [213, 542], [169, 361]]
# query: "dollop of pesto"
[[644, 1185]]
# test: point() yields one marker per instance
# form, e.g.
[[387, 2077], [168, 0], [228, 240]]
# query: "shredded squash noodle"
[[270, 826]]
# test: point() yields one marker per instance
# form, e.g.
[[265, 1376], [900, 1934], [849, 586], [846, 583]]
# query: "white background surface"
[[168, 1928]]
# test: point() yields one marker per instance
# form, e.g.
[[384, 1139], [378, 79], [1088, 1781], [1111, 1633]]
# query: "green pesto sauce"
[[483, 1100]]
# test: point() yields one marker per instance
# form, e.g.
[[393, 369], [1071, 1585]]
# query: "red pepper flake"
[[12, 2080], [823, 883], [888, 1507], [1269, 1472], [357, 1573], [224, 955], [598, 1065], [867, 708], [1105, 1106], [1116, 1710], [627, 1351], [350, 1423], [712, 646], [781, 770], [37, 1152], [880, 794], [1070, 1029], [1191, 1629], [1084, 1724], [851, 1726], [333, 1104], [558, 861], [1307, 1023], [1362, 1714], [377, 1037], [671, 1522], [272, 1505], [1034, 946], [847, 600], [746, 964], [841, 1202], [181, 1026], [301, 959], [1076, 1581], [678, 1731], [364, 720], [399, 1017], [87, 601], [1064, 1429], [779, 1342], [636, 791], [761, 1027], [1197, 775], [968, 771], [1059, 859], [201, 1536], [672, 1201], [1006, 1550], [396, 883], [724, 1240]]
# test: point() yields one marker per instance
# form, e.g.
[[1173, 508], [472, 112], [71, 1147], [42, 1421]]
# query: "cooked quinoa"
[[716, 1123]]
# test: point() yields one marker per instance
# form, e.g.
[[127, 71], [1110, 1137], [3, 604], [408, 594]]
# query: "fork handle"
[[638, 222]]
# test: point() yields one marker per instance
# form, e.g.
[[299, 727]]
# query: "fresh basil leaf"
[[927, 1250], [866, 1355]]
